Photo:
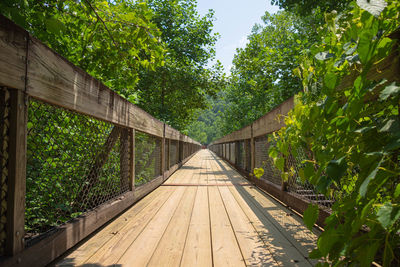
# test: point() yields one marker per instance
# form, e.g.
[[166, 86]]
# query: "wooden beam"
[[53, 79], [13, 49], [171, 133], [17, 172]]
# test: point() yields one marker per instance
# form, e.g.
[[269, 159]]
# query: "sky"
[[234, 21]]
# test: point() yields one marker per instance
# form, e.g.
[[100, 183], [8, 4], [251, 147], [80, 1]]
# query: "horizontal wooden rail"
[[268, 123]]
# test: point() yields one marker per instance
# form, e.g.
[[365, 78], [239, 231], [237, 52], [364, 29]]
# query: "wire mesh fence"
[[173, 153], [262, 160], [232, 152], [241, 157], [4, 145], [166, 158], [147, 158], [304, 189], [294, 162], [247, 145], [74, 164]]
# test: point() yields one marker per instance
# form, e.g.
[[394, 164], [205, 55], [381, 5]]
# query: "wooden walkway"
[[206, 214]]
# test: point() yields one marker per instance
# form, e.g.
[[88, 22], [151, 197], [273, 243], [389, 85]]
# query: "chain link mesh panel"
[[247, 144], [4, 144], [241, 157], [296, 185], [173, 153], [262, 160], [166, 154], [232, 152], [74, 164], [147, 158]]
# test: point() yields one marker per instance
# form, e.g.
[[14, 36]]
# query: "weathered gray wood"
[[16, 172], [13, 48], [272, 121], [53, 79], [171, 133]]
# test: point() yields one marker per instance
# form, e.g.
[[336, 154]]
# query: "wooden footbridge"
[[205, 214], [87, 178]]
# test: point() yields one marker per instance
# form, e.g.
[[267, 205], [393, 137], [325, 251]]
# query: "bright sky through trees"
[[234, 21]]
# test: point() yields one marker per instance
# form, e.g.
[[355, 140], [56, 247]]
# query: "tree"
[[262, 73], [207, 127], [308, 7], [174, 92], [110, 40]]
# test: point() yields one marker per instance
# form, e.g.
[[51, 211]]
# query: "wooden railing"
[[47, 102]]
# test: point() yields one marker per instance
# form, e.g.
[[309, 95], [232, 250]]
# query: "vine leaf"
[[258, 172], [375, 7], [323, 56], [336, 168], [371, 176], [397, 191], [388, 215], [311, 215], [54, 25], [389, 91]]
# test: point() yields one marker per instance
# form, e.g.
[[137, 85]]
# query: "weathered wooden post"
[[16, 171]]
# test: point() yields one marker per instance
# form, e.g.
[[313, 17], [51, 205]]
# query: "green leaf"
[[371, 176], [315, 254], [388, 254], [323, 56], [336, 168], [327, 240], [393, 144], [364, 45], [258, 172], [364, 130], [280, 163], [397, 191], [374, 7], [389, 91], [330, 80], [273, 152], [392, 126], [54, 25], [323, 184], [310, 215], [367, 255], [388, 215]]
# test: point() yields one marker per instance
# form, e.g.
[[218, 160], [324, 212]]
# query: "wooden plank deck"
[[206, 214]]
